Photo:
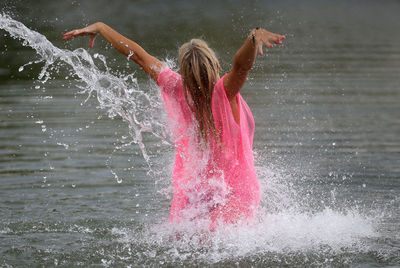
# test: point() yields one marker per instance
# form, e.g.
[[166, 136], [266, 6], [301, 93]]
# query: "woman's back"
[[218, 182]]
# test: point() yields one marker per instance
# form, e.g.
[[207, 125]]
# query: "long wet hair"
[[199, 68]]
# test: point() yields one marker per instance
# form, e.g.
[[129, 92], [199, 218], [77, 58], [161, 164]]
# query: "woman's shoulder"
[[169, 81], [167, 75]]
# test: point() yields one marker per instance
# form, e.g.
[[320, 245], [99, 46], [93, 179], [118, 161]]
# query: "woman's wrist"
[[99, 26], [253, 34]]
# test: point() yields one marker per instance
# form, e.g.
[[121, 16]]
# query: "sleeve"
[[168, 82], [174, 101]]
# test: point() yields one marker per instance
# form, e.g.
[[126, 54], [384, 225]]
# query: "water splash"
[[287, 232], [280, 236], [118, 96]]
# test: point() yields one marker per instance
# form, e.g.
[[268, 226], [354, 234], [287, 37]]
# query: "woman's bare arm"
[[245, 57], [150, 64]]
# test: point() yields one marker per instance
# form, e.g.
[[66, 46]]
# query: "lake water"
[[79, 188]]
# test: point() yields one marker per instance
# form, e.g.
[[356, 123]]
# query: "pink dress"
[[219, 183]]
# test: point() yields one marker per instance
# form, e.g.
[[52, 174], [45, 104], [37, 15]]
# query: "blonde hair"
[[199, 68]]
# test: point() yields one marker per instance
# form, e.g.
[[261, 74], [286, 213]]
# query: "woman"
[[214, 176]]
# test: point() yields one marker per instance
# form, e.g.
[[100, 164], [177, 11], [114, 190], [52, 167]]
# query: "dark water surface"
[[327, 140]]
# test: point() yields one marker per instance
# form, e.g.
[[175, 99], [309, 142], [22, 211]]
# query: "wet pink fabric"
[[219, 183]]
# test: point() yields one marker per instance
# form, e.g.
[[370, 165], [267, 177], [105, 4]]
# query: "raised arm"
[[245, 57], [149, 64]]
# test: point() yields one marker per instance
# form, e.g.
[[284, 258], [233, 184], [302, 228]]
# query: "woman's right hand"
[[264, 37], [92, 31]]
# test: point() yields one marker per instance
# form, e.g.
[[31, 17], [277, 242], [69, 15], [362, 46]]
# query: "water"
[[77, 189]]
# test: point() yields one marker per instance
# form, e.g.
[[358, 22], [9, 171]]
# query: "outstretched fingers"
[[71, 34], [260, 50], [275, 38], [278, 39], [67, 36]]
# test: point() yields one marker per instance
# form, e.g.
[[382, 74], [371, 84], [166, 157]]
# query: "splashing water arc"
[[117, 95]]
